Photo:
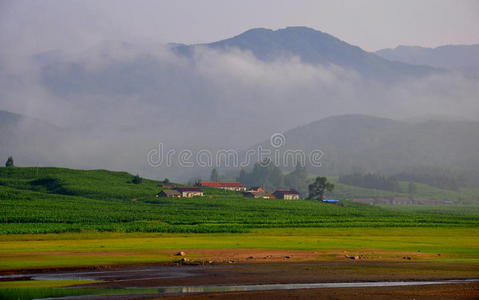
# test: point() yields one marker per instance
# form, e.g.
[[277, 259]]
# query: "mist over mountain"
[[311, 47], [453, 57], [118, 100], [361, 143], [21, 136]]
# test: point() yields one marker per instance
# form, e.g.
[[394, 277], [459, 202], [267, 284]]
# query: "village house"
[[189, 192], [258, 194], [286, 194], [363, 200], [231, 186], [257, 189], [401, 200], [427, 201], [169, 193]]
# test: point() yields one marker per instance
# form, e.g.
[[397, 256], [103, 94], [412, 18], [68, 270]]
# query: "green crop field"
[[53, 200], [469, 196]]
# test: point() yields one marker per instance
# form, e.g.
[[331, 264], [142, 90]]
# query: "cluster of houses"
[[254, 192]]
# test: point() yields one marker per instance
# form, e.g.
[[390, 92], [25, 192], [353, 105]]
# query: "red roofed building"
[[287, 194], [401, 200], [231, 186], [257, 189]]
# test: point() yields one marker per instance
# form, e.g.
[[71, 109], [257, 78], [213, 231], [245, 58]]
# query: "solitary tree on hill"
[[9, 162], [319, 187], [166, 181], [137, 179]]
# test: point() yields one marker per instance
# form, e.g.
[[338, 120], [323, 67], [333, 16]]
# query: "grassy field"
[[56, 218], [28, 290], [95, 248], [469, 196], [55, 200]]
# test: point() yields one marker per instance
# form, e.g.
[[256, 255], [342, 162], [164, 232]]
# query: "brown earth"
[[469, 291], [296, 272]]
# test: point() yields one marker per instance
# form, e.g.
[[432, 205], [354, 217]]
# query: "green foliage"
[[298, 179], [269, 176], [264, 174], [9, 162], [438, 177], [467, 196], [319, 187], [373, 181], [62, 200]]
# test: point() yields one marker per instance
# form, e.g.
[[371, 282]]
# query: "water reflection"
[[294, 286]]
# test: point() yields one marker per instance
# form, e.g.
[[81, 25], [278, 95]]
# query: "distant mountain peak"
[[313, 47]]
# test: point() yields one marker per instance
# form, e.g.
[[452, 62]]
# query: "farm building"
[[402, 200], [258, 194], [169, 193], [427, 201], [287, 194], [363, 200], [256, 189], [188, 192], [231, 186]]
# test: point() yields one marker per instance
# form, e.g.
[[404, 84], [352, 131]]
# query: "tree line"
[[371, 181]]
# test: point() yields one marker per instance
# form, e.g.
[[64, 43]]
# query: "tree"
[[214, 175], [9, 162], [166, 181], [137, 179], [264, 174], [319, 187], [298, 179]]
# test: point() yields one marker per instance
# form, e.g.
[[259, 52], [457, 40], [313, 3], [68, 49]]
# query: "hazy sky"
[[372, 24]]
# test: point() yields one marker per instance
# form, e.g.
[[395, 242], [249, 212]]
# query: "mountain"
[[372, 144], [457, 57], [313, 47]]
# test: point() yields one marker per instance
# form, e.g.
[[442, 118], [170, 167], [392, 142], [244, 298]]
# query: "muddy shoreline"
[[348, 271]]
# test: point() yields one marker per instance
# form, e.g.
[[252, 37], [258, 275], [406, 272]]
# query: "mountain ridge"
[[354, 142], [456, 57], [311, 46]]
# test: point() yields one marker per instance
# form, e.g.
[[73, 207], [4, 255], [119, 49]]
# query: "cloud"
[[117, 101]]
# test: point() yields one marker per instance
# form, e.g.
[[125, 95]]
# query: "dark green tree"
[[9, 162], [298, 179], [137, 179], [214, 175], [166, 181], [264, 174], [319, 187]]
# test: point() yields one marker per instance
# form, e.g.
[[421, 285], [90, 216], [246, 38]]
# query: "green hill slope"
[[41, 200]]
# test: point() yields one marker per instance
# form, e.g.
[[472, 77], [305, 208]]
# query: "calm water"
[[134, 275], [295, 286]]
